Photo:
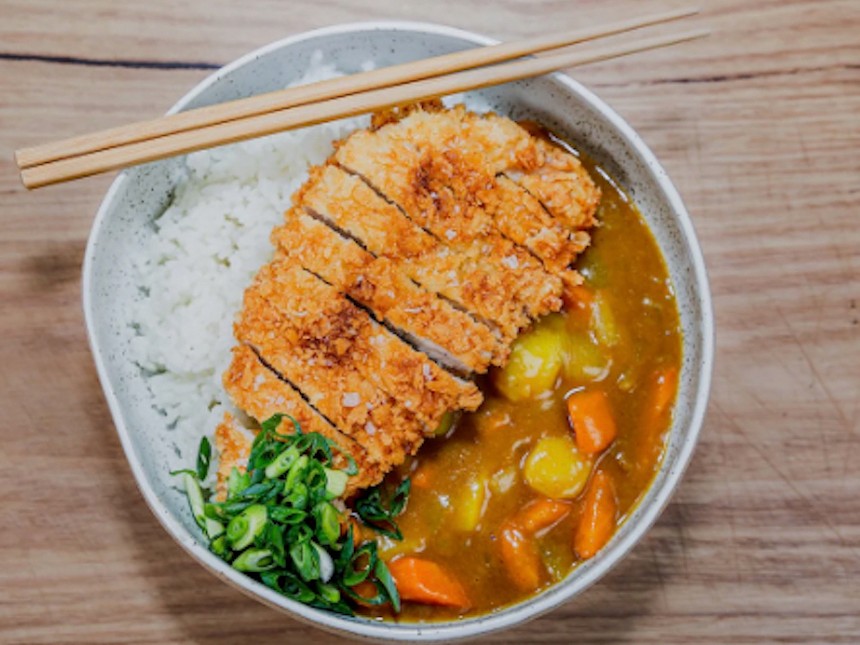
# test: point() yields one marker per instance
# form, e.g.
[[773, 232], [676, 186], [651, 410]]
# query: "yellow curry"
[[569, 438]]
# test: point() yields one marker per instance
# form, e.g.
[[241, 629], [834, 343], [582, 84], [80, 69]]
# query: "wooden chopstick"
[[334, 88], [310, 114]]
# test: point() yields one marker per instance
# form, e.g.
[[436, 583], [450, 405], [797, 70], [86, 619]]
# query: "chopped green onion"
[[296, 473], [243, 528], [213, 528], [298, 496], [327, 520], [326, 563], [378, 514], [282, 463], [285, 515], [383, 575], [306, 559], [237, 482], [328, 592], [219, 546], [278, 523], [254, 560], [335, 482], [204, 456], [195, 498]]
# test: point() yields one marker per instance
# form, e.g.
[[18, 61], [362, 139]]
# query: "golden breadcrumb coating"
[[233, 447], [380, 284], [496, 281], [443, 168], [258, 391], [454, 229], [351, 336], [319, 362]]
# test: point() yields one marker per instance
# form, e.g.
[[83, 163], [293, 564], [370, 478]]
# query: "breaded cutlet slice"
[[480, 145], [444, 169], [562, 185], [484, 278], [233, 447], [317, 365], [442, 185], [529, 224], [258, 391], [331, 321], [432, 324], [328, 349], [553, 175], [437, 192]]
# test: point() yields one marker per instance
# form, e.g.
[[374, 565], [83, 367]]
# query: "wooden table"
[[760, 128]]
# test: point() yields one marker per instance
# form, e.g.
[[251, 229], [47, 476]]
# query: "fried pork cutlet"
[[435, 234], [553, 175], [258, 391], [428, 322], [321, 371], [354, 371], [233, 447], [444, 169], [491, 278]]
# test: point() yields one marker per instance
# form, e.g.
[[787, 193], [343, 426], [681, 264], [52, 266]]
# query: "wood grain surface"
[[759, 126]]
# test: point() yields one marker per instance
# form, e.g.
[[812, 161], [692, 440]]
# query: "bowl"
[[139, 194]]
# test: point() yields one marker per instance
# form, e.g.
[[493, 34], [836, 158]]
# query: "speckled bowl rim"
[[509, 616]]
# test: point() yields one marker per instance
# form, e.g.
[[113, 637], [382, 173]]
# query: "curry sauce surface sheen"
[[487, 450]]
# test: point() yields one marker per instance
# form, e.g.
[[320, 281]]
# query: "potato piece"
[[504, 480], [535, 362], [556, 468], [584, 362], [470, 504], [603, 323]]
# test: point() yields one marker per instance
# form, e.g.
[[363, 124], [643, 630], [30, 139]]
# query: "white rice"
[[204, 252]]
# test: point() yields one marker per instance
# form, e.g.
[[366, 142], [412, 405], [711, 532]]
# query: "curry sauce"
[[619, 335]]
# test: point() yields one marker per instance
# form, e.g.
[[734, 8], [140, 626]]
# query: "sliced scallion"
[[243, 528], [254, 560]]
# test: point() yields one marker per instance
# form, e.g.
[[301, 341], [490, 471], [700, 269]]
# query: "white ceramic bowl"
[[140, 194]]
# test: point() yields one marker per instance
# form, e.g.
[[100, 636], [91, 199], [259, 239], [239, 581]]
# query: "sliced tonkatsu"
[[408, 262], [550, 173], [489, 277], [318, 363], [350, 368], [259, 392], [432, 324], [445, 169], [233, 446]]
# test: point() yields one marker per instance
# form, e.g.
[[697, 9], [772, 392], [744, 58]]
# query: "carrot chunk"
[[592, 420], [541, 514], [521, 557], [427, 582], [664, 386], [423, 477], [599, 513], [577, 297]]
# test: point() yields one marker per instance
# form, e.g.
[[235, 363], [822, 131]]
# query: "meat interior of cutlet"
[[412, 258]]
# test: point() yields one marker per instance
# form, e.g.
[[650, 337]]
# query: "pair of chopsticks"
[[306, 105]]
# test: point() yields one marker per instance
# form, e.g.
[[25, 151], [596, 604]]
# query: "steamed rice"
[[204, 252]]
